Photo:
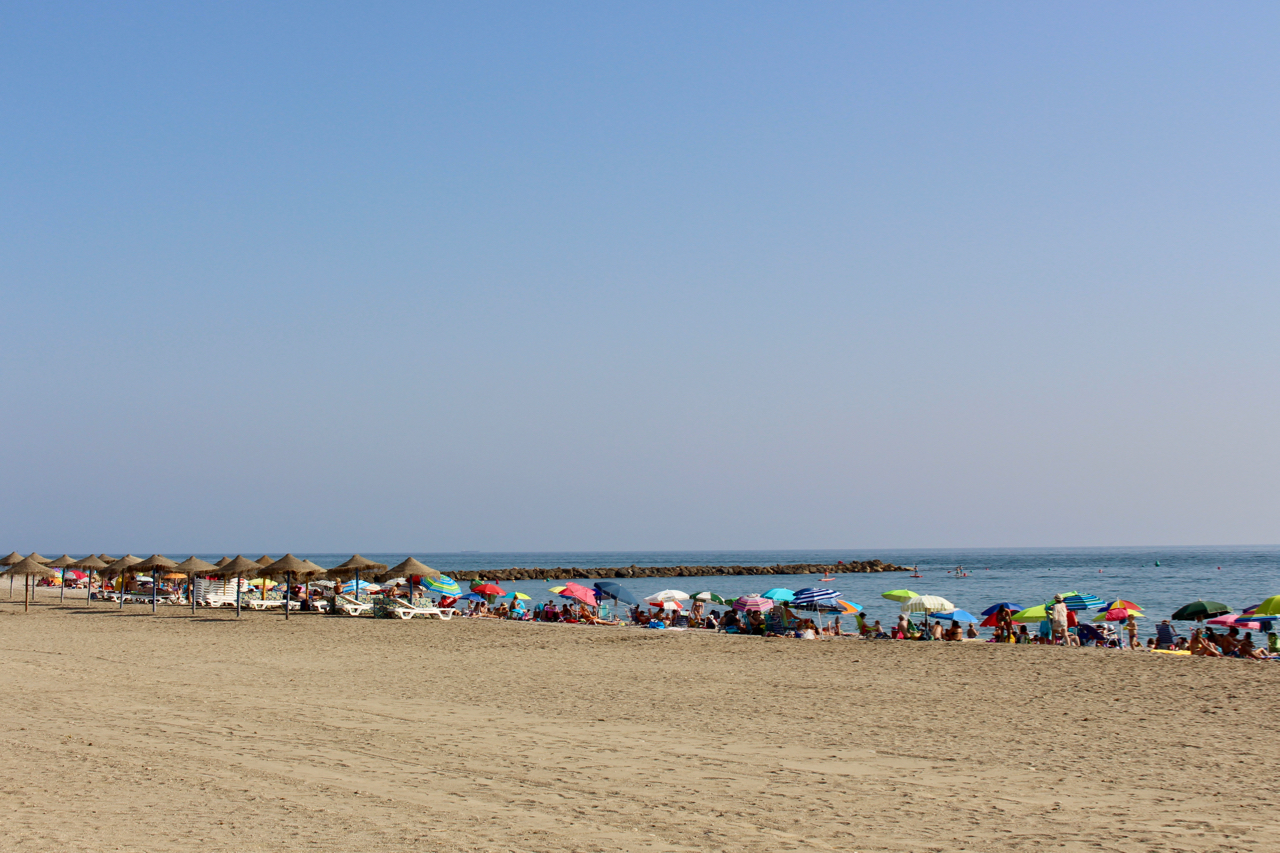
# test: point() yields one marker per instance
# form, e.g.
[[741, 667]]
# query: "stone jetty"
[[560, 573]]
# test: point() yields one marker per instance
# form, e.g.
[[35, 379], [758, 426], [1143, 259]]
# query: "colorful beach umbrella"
[[754, 603], [1119, 603], [779, 594], [1117, 614], [1007, 605], [707, 596], [899, 595], [812, 595], [444, 585], [1078, 601], [1231, 620], [1269, 607], [488, 589], [516, 596], [1032, 614]]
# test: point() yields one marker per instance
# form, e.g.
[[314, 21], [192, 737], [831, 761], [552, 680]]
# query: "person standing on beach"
[[1131, 625], [1058, 618]]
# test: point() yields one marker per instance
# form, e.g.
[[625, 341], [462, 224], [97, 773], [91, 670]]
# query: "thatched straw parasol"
[[108, 560], [29, 569], [34, 556], [409, 569], [155, 562], [287, 568], [119, 567], [238, 568], [61, 563], [12, 560], [352, 569], [191, 567], [264, 561], [223, 562], [89, 564]]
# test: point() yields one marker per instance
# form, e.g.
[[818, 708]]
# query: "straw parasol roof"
[[195, 566], [411, 567], [61, 563], [108, 560], [223, 562], [155, 561], [32, 568], [89, 563], [128, 561], [287, 565], [355, 564], [264, 560], [314, 570], [34, 556], [239, 567], [12, 560]]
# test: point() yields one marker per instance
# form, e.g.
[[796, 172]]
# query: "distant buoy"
[[1157, 562]]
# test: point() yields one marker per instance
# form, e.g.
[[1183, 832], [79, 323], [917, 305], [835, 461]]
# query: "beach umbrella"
[[34, 556], [61, 563], [1032, 614], [667, 595], [1117, 614], [956, 616], [712, 597], [579, 592], [471, 596], [264, 561], [1118, 604], [1007, 605], [1269, 607], [754, 603], [239, 567], [616, 591], [668, 605], [90, 564], [120, 567], [927, 604], [1078, 601], [1231, 620], [223, 562], [1198, 611], [444, 585], [488, 589], [779, 594], [556, 589], [516, 596], [12, 560], [359, 586], [812, 595], [410, 568], [189, 568], [287, 567], [154, 563], [899, 595], [108, 560], [353, 567], [28, 568]]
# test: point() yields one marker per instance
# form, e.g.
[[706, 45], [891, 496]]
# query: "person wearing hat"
[[1058, 618]]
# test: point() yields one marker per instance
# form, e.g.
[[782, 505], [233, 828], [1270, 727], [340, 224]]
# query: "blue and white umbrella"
[[814, 595], [1080, 601]]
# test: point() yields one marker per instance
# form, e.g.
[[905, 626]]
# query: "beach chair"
[[350, 607]]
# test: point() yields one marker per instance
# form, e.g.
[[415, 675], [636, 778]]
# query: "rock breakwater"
[[560, 573]]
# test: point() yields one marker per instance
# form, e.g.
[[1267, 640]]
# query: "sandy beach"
[[139, 733]]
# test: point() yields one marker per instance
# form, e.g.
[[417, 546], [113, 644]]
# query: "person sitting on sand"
[[712, 622], [1273, 643], [972, 633], [1246, 648], [904, 627], [1022, 635], [730, 623], [1165, 633], [1201, 647], [954, 634], [936, 632]]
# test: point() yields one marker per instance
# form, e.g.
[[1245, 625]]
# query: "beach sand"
[[140, 733]]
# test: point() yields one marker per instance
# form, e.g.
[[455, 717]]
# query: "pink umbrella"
[[753, 602], [1232, 620], [580, 592]]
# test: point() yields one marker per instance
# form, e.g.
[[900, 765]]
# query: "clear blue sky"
[[638, 276]]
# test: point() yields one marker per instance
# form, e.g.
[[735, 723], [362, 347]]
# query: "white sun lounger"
[[351, 607]]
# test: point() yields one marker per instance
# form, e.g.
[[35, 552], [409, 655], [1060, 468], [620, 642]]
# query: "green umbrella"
[[898, 594], [709, 596], [1198, 611], [1031, 614], [1270, 607]]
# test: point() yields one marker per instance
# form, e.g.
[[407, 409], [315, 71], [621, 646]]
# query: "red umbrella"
[[580, 592], [488, 589]]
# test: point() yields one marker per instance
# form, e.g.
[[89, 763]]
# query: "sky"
[[418, 278]]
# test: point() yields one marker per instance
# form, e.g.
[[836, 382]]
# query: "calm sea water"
[[1237, 576]]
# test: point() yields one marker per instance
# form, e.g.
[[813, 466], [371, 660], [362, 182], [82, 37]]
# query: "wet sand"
[[139, 733]]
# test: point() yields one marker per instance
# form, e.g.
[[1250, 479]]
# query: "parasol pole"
[[154, 590], [26, 593], [288, 576], [62, 593]]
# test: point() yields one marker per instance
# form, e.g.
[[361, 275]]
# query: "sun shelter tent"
[[191, 567], [29, 569], [155, 562], [12, 560], [61, 564], [411, 568], [90, 564], [287, 568], [120, 568], [352, 569], [238, 568]]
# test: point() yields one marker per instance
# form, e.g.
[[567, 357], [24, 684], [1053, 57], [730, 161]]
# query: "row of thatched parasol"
[[288, 568]]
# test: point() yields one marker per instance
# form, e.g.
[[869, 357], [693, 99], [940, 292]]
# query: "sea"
[[1160, 580]]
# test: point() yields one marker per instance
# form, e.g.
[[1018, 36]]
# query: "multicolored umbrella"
[[707, 596], [1269, 607], [443, 584], [1007, 605], [1080, 601], [754, 603], [1117, 614]]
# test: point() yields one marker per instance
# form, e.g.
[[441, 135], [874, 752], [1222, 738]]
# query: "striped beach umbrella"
[[1081, 601], [813, 595], [443, 584], [927, 604], [753, 602]]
